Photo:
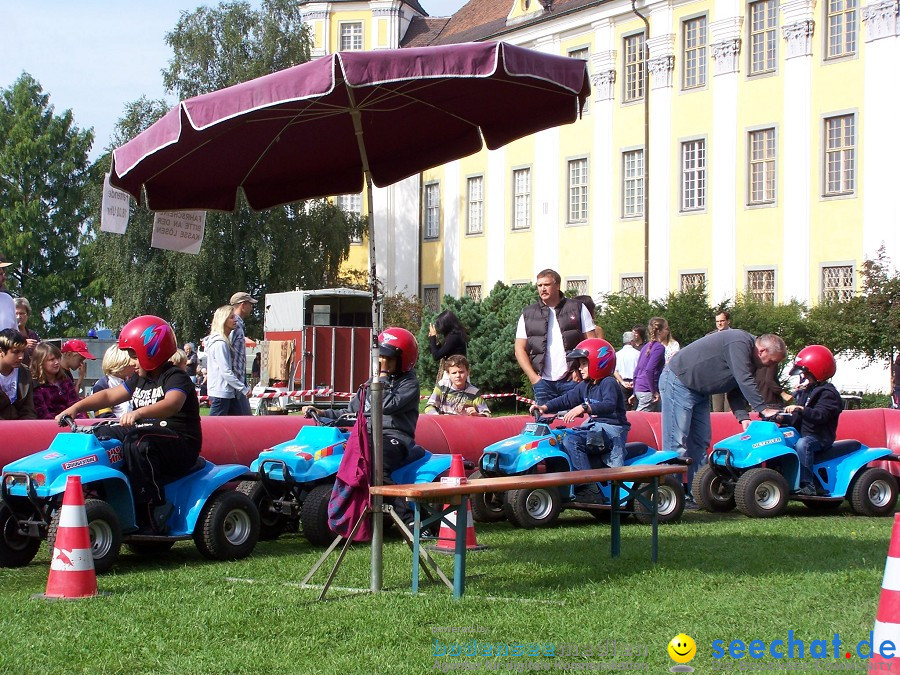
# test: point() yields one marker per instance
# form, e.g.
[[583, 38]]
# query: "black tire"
[[711, 491], [670, 503], [487, 507], [761, 493], [271, 523], [104, 529], [16, 549], [529, 508], [150, 548], [314, 516], [874, 493], [228, 527]]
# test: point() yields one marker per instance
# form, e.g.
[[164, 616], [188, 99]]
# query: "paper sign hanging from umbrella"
[[178, 230], [114, 209]]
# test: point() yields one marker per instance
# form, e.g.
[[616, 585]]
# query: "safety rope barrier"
[[325, 391]]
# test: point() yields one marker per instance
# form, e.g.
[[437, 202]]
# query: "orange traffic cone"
[[447, 536], [887, 621], [72, 563]]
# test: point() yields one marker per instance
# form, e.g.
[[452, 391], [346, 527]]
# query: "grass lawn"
[[718, 577]]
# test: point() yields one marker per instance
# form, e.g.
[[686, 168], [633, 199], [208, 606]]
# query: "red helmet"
[[151, 338], [600, 355], [817, 360], [401, 343]]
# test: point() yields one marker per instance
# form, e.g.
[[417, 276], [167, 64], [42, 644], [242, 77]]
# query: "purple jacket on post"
[[649, 367], [50, 399]]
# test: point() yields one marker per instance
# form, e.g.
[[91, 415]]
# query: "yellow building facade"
[[769, 168]]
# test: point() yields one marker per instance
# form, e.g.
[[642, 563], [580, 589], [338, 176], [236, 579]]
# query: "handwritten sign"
[[114, 209], [178, 230]]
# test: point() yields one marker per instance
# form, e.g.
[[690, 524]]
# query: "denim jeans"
[[645, 401], [806, 448], [576, 445], [222, 407], [544, 390], [686, 427]]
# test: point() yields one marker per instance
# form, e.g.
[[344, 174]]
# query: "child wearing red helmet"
[[161, 436], [398, 352], [599, 396], [818, 407]]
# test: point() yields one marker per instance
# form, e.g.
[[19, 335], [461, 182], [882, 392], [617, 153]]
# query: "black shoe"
[[807, 490], [424, 530], [589, 494]]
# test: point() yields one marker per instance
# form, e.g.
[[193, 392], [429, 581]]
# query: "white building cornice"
[[604, 84], [798, 36], [726, 55], [882, 19]]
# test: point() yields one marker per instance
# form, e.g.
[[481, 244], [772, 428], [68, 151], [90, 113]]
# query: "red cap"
[[77, 346]]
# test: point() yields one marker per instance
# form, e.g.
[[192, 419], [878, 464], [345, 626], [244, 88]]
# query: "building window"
[[473, 292], [694, 36], [633, 286], [521, 199], [761, 285], [762, 166], [693, 280], [633, 183], [475, 197], [351, 204], [576, 286], [351, 36], [583, 53], [763, 36], [837, 282], [693, 175], [635, 62], [841, 27], [578, 191], [840, 155], [431, 298], [432, 210], [520, 284]]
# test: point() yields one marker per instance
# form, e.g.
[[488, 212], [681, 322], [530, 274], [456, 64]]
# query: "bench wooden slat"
[[430, 491]]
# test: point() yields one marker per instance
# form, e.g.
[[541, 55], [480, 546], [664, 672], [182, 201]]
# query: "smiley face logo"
[[682, 648]]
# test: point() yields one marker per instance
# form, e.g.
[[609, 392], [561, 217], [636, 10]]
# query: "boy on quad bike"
[[161, 437], [818, 407], [599, 396], [398, 352]]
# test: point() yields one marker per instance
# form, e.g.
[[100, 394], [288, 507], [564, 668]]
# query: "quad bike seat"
[[839, 449]]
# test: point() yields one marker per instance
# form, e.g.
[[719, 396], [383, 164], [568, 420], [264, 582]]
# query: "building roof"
[[412, 3], [423, 31]]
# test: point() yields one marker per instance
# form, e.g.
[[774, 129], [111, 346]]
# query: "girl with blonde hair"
[[223, 386]]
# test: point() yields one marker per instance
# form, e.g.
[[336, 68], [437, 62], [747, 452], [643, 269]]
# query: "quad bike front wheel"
[[486, 507], [761, 493], [16, 549], [711, 491], [271, 523], [669, 503], [228, 527], [533, 507], [104, 530], [314, 516], [874, 493]]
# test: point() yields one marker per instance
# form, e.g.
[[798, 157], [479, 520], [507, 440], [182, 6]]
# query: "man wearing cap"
[[626, 360], [7, 304], [243, 307], [74, 354]]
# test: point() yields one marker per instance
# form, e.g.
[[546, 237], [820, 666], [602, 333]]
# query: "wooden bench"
[[640, 482]]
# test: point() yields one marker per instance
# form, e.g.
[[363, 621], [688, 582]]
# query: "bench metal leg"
[[614, 521], [654, 522], [459, 556]]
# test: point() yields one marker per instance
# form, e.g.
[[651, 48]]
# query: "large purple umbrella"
[[330, 126]]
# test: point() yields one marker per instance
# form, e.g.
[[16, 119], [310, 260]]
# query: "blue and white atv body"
[[538, 449], [758, 471], [294, 479], [223, 523]]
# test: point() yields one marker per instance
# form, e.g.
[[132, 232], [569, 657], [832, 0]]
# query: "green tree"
[[301, 245], [787, 320], [45, 175]]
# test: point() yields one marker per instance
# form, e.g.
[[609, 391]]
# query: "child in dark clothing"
[[16, 388], [599, 396], [818, 407]]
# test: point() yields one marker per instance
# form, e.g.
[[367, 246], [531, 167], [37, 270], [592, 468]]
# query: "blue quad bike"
[[758, 471], [538, 449], [224, 524], [293, 480]]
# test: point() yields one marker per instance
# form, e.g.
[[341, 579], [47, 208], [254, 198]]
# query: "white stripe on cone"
[[891, 579], [73, 516], [78, 560]]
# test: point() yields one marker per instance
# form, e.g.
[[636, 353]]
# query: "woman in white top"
[[223, 386], [670, 343]]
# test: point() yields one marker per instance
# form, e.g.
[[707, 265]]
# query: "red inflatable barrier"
[[239, 440]]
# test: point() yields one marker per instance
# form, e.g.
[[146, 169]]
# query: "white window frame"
[[689, 279], [841, 28], [352, 37], [840, 158], [475, 204], [632, 284], [753, 293], [847, 291], [762, 158], [431, 288], [352, 204], [432, 215], [694, 52], [634, 55], [521, 196], [578, 185], [583, 52], [762, 26], [693, 175], [633, 182], [474, 291]]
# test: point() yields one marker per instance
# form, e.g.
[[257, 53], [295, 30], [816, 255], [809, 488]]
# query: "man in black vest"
[[547, 330]]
